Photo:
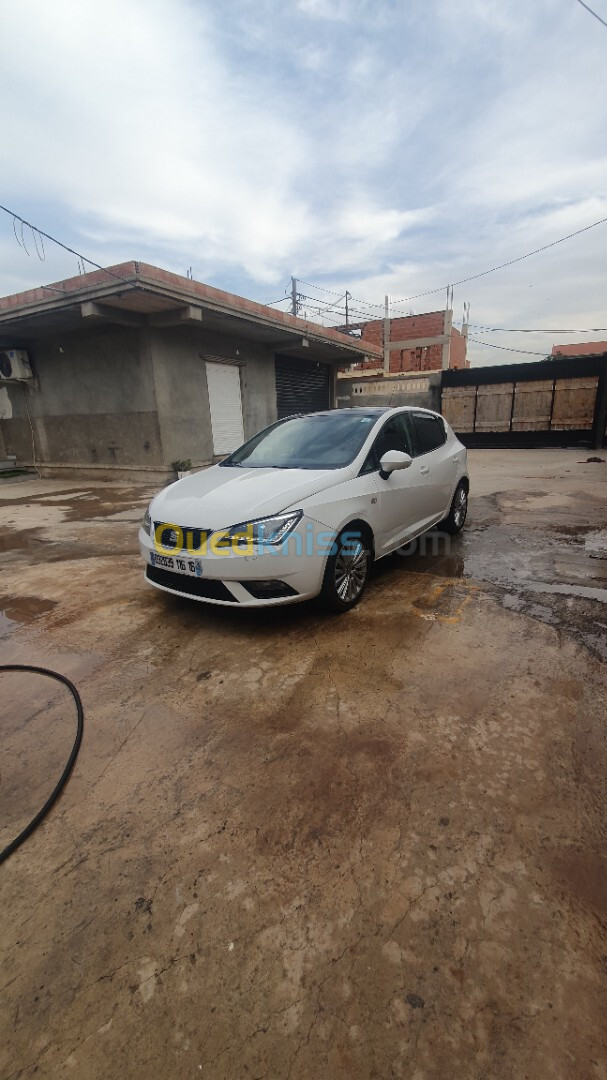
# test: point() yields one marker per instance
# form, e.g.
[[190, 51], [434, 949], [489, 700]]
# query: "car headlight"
[[146, 524], [270, 530]]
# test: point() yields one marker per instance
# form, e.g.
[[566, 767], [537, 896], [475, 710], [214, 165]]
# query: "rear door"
[[436, 464], [399, 505]]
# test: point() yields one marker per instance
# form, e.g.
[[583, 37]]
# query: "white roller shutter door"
[[223, 381]]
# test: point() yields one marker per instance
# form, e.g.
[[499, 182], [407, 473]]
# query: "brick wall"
[[409, 328], [457, 350], [415, 326], [581, 348], [421, 358]]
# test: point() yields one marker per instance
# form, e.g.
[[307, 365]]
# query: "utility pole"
[[294, 304], [348, 297]]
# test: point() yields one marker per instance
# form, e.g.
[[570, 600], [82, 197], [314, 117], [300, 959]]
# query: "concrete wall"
[[178, 358], [92, 403], [129, 400], [423, 391], [182, 400]]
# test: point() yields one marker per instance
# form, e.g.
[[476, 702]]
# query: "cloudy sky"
[[381, 147]]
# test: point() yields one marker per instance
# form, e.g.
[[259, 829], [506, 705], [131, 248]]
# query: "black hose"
[[28, 830]]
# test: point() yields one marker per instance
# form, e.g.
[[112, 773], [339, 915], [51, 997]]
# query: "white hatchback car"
[[304, 508]]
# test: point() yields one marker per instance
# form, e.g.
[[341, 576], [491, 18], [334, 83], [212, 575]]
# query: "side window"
[[429, 432], [395, 435]]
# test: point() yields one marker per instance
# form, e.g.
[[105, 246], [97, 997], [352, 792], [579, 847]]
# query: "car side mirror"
[[392, 461]]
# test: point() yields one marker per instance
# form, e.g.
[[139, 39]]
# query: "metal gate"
[[302, 386], [548, 403]]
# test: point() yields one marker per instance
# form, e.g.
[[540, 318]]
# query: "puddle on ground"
[[20, 540], [18, 610], [87, 505], [100, 504], [550, 570]]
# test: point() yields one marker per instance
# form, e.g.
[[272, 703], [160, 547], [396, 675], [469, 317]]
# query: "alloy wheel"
[[350, 571], [460, 508]]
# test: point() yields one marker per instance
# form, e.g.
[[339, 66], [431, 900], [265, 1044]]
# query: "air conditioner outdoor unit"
[[14, 366]]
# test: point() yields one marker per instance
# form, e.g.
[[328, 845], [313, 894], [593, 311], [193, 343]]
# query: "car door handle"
[[425, 469]]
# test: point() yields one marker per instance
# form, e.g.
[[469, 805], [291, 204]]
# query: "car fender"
[[353, 500]]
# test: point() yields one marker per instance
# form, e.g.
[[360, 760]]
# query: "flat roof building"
[[134, 368]]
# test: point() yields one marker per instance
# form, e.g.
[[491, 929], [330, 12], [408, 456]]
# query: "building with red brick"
[[427, 342], [580, 348]]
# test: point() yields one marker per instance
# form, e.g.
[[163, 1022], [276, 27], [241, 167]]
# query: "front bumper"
[[283, 576]]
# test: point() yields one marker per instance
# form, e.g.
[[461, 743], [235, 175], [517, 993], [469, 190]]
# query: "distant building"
[[416, 343], [580, 348]]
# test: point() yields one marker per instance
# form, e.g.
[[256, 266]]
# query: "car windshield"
[[317, 441]]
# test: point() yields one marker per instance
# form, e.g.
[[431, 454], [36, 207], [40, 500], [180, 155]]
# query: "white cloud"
[[384, 148], [335, 10]]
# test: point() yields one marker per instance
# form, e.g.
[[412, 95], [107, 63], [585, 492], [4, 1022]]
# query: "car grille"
[[168, 537], [208, 588]]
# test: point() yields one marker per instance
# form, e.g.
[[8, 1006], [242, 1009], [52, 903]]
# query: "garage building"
[[134, 368]]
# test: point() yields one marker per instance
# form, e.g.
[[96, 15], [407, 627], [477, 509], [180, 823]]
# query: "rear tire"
[[456, 518], [346, 572]]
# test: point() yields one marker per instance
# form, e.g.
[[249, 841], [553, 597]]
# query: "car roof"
[[373, 410]]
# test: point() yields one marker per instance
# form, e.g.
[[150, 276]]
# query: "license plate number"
[[177, 564]]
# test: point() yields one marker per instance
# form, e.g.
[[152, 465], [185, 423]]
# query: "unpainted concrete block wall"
[[92, 403], [130, 398], [178, 357]]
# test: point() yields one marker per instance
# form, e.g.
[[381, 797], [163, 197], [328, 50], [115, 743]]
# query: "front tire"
[[346, 572], [456, 518]]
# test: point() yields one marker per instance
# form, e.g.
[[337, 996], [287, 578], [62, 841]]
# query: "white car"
[[305, 507]]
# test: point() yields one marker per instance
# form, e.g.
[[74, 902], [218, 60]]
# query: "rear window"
[[429, 432]]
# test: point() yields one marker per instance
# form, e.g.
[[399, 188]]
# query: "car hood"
[[219, 497]]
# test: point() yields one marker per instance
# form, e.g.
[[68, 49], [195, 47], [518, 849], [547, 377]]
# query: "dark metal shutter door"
[[302, 386]]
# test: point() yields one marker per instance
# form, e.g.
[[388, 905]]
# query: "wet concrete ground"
[[297, 846]]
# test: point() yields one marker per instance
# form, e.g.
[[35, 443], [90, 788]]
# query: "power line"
[[333, 292], [319, 288], [592, 12], [511, 330], [471, 277], [329, 304], [505, 348], [511, 262], [47, 236]]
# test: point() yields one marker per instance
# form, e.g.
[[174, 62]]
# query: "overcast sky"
[[379, 147]]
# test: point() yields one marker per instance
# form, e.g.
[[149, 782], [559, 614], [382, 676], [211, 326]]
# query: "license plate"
[[177, 564]]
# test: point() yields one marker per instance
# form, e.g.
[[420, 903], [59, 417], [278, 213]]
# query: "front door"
[[401, 495]]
